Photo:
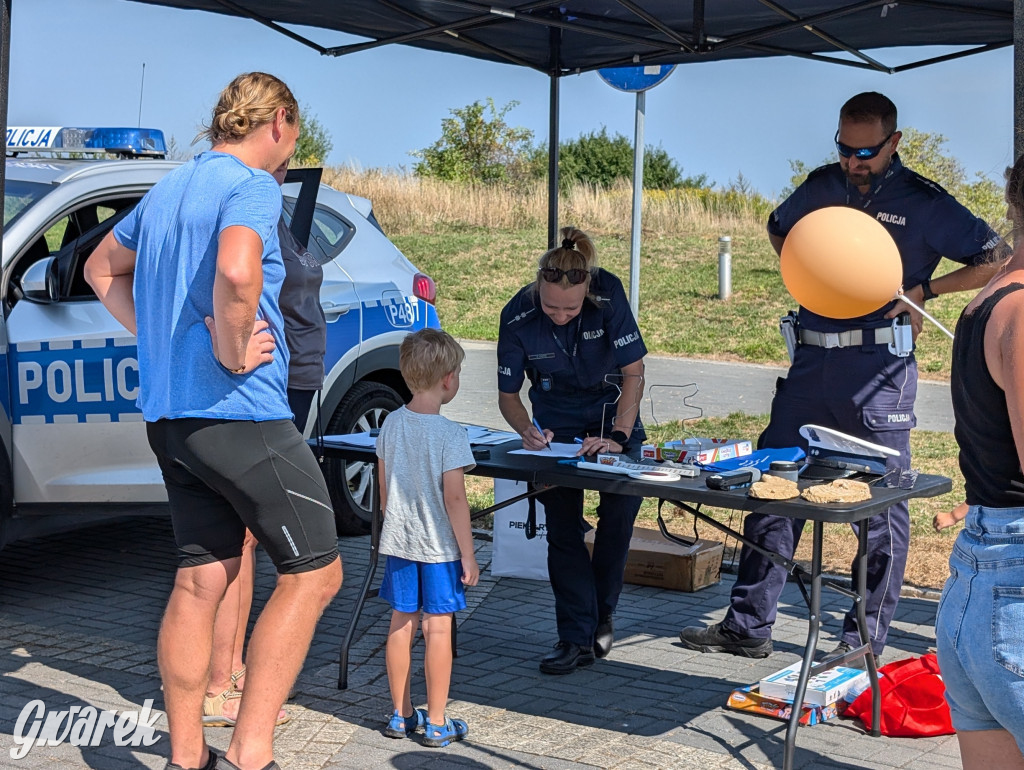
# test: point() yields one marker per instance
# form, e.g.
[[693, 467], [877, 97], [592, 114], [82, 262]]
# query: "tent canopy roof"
[[612, 33]]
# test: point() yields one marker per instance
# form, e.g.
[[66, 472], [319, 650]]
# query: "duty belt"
[[848, 339]]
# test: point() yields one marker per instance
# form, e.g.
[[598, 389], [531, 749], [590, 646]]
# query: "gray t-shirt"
[[417, 449]]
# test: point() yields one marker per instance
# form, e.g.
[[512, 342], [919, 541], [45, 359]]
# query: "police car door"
[[78, 436]]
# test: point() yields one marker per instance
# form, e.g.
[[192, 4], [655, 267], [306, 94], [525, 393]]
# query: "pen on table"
[[541, 431]]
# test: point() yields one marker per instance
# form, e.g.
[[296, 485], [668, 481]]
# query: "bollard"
[[724, 267]]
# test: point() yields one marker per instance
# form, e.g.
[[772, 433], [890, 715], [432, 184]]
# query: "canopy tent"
[[612, 33], [561, 37]]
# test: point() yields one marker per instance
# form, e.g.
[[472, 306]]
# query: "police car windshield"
[[20, 196]]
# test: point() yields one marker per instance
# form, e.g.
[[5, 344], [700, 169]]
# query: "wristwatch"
[[620, 438], [926, 287], [239, 370]]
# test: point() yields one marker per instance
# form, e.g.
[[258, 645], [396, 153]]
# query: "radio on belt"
[[737, 479]]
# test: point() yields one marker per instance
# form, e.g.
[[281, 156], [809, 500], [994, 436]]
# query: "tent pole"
[[555, 37], [5, 83], [1018, 78]]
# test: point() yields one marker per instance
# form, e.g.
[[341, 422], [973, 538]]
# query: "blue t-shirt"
[[174, 231], [567, 365], [926, 222]]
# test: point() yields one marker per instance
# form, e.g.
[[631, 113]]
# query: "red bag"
[[913, 705]]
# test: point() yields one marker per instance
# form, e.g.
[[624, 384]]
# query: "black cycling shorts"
[[225, 475]]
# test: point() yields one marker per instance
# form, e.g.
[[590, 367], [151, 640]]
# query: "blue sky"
[[79, 62]]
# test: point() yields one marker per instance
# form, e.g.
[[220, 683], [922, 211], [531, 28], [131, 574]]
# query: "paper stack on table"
[[362, 440], [481, 436]]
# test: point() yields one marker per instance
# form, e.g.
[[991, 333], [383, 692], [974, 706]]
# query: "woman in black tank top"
[[980, 622]]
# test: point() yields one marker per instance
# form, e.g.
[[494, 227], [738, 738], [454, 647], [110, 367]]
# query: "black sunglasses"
[[864, 153], [575, 276]]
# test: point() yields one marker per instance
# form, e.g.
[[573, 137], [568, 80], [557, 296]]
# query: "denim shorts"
[[409, 586], [980, 623]]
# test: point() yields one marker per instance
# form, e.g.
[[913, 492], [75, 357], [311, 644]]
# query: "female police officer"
[[571, 331]]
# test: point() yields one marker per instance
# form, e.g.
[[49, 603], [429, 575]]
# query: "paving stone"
[[86, 635]]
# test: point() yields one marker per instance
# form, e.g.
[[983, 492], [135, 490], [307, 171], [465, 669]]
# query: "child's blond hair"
[[427, 356]]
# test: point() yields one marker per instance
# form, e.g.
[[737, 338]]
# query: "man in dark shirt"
[[846, 375]]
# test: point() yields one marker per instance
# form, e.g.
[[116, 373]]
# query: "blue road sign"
[[634, 79]]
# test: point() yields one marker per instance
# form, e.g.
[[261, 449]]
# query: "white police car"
[[74, 447]]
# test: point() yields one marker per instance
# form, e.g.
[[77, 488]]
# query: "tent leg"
[[5, 82], [556, 44], [1018, 78]]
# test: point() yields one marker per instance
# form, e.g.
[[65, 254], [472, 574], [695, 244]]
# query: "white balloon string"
[[903, 298]]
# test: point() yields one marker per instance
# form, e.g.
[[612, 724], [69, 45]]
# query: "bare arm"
[[455, 503], [961, 279], [110, 272], [511, 407], [629, 400], [1004, 356], [236, 294]]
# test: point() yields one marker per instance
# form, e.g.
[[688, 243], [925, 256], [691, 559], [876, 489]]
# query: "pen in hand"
[[540, 430]]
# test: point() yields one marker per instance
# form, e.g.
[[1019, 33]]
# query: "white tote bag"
[[512, 554]]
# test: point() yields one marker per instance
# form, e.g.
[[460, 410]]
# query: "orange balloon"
[[840, 263]]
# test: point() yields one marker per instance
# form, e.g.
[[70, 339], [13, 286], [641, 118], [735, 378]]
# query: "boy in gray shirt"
[[422, 460]]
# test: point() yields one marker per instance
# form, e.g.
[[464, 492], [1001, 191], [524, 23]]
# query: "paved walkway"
[[79, 616]]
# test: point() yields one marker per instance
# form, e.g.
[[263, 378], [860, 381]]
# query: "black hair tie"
[[568, 243]]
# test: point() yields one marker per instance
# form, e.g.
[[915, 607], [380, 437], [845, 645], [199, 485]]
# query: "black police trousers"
[[586, 588]]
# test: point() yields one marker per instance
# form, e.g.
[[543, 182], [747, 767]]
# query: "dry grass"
[[405, 204]]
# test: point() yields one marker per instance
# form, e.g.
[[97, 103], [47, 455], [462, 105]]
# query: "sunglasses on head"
[[574, 276], [864, 153]]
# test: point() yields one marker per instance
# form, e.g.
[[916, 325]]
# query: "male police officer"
[[844, 375]]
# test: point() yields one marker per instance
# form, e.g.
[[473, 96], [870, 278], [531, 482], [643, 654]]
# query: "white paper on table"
[[496, 437], [362, 440], [556, 450], [481, 436]]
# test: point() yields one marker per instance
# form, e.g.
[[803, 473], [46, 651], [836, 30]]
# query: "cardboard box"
[[750, 700], [705, 451], [656, 561], [822, 689]]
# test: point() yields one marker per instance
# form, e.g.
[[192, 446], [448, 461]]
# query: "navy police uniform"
[[863, 389], [567, 366]]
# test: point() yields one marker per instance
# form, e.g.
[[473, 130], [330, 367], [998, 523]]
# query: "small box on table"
[[705, 451], [656, 561]]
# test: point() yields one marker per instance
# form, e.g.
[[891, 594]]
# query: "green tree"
[[599, 159], [926, 154], [478, 145], [314, 143]]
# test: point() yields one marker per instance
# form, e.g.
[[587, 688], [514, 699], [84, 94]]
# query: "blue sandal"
[[439, 736], [402, 727]]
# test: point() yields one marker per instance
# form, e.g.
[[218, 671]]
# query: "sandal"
[[439, 736], [404, 727], [235, 676], [214, 716]]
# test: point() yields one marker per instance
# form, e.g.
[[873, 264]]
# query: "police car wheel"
[[363, 408]]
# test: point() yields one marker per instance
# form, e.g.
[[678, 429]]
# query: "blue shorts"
[[980, 623], [410, 586]]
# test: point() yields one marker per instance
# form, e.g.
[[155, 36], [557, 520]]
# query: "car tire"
[[363, 408]]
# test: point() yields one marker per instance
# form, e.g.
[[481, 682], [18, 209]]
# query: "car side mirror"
[[40, 283]]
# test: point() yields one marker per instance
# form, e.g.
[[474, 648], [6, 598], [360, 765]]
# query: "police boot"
[[566, 658]]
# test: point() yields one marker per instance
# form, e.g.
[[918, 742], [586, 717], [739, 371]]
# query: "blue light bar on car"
[[125, 142]]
